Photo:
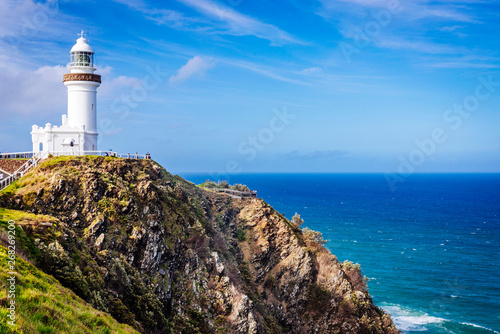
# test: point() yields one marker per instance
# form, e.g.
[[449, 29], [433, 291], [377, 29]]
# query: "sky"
[[239, 86]]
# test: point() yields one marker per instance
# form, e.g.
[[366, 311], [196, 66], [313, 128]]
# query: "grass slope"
[[43, 305]]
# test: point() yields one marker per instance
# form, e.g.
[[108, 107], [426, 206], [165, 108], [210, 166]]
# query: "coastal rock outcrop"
[[163, 255]]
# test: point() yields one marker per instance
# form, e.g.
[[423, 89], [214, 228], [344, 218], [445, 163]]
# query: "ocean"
[[431, 248]]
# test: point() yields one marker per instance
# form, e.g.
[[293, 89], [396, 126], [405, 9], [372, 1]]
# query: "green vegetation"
[[349, 265], [296, 220], [68, 160], [313, 236], [241, 234], [44, 306], [224, 185], [11, 188], [22, 218]]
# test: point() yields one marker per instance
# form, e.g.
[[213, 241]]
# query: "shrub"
[[240, 187], [313, 236], [223, 184], [296, 220], [241, 234]]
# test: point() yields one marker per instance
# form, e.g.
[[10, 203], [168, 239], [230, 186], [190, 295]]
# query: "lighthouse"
[[78, 132]]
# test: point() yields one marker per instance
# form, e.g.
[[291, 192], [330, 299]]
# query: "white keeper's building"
[[78, 132]]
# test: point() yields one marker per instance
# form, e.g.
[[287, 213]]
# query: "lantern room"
[[82, 55]]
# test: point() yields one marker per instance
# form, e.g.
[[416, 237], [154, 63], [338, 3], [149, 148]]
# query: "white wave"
[[407, 319], [410, 320], [478, 326]]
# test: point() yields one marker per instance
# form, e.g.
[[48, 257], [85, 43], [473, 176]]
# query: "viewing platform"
[[237, 193]]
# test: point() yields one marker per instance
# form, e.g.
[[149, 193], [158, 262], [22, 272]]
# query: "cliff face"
[[163, 255]]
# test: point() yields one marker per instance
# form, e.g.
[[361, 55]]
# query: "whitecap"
[[407, 319], [478, 326], [410, 320]]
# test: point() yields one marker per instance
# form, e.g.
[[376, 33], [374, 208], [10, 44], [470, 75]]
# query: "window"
[[82, 58], [92, 107], [40, 147]]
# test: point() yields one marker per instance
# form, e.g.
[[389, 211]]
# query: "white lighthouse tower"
[[78, 132]]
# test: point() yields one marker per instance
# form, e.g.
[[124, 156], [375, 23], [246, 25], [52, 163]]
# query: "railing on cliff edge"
[[237, 193], [33, 159], [30, 163]]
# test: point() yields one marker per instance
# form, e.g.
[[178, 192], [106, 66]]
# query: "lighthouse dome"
[[82, 46], [82, 57]]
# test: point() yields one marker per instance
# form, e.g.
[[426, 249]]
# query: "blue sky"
[[239, 86]]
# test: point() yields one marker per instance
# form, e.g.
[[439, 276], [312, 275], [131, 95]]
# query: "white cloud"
[[167, 17], [195, 66], [239, 24], [28, 92], [456, 11], [312, 70], [13, 15], [265, 71], [416, 45], [41, 92], [466, 61], [113, 87], [220, 19], [451, 28], [325, 154]]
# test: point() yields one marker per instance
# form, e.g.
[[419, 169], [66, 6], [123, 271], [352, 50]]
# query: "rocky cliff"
[[163, 255]]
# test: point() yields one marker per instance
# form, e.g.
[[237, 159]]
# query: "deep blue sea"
[[431, 248]]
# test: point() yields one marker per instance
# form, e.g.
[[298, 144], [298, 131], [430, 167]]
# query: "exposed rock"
[[163, 255]]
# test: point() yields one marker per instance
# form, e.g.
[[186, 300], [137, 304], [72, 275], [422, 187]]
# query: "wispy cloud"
[[160, 16], [420, 9], [296, 155], [312, 70], [265, 71], [444, 12], [468, 61], [452, 28], [195, 66], [420, 46], [219, 19], [235, 23]]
